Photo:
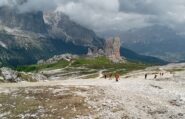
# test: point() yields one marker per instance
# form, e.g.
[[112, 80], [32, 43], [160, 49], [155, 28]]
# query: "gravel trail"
[[133, 97]]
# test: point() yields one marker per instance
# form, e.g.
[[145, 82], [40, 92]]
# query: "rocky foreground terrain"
[[132, 97], [8, 75]]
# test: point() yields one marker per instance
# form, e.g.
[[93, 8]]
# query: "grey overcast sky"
[[118, 15]]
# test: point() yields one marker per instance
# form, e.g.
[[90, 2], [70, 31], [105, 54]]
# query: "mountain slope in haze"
[[131, 55], [157, 41], [28, 37]]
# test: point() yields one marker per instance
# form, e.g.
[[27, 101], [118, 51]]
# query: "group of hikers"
[[110, 75], [155, 76], [117, 75]]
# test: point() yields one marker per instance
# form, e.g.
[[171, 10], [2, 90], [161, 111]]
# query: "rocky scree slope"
[[9, 75]]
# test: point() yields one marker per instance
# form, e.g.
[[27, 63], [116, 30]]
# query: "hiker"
[[117, 77], [105, 75], [161, 74], [110, 76], [146, 76], [155, 76]]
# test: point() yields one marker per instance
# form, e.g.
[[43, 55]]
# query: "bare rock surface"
[[9, 75], [94, 52], [56, 58], [112, 49]]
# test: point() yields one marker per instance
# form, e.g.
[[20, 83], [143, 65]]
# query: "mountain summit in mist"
[[27, 37]]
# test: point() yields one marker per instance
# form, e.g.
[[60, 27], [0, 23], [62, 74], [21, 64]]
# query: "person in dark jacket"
[[155, 76], [105, 75]]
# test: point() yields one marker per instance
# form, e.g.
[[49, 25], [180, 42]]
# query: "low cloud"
[[31, 5], [102, 15], [165, 12], [107, 15]]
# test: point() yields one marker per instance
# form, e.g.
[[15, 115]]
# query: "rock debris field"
[[133, 97]]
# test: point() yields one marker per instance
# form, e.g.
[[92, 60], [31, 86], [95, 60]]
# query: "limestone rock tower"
[[112, 49]]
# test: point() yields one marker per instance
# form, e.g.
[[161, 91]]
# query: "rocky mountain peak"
[[61, 26], [26, 37], [30, 21]]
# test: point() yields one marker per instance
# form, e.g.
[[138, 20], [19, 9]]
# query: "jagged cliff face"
[[60, 26], [31, 21], [28, 37]]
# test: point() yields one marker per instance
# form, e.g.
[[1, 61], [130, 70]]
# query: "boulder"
[[9, 75]]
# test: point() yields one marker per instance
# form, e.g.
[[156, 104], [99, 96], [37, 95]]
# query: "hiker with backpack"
[[117, 75]]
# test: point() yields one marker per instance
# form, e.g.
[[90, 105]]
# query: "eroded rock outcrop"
[[112, 49], [95, 52], [9, 75], [56, 58]]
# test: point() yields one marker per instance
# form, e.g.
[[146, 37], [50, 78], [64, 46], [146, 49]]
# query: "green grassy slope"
[[38, 67], [97, 63]]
